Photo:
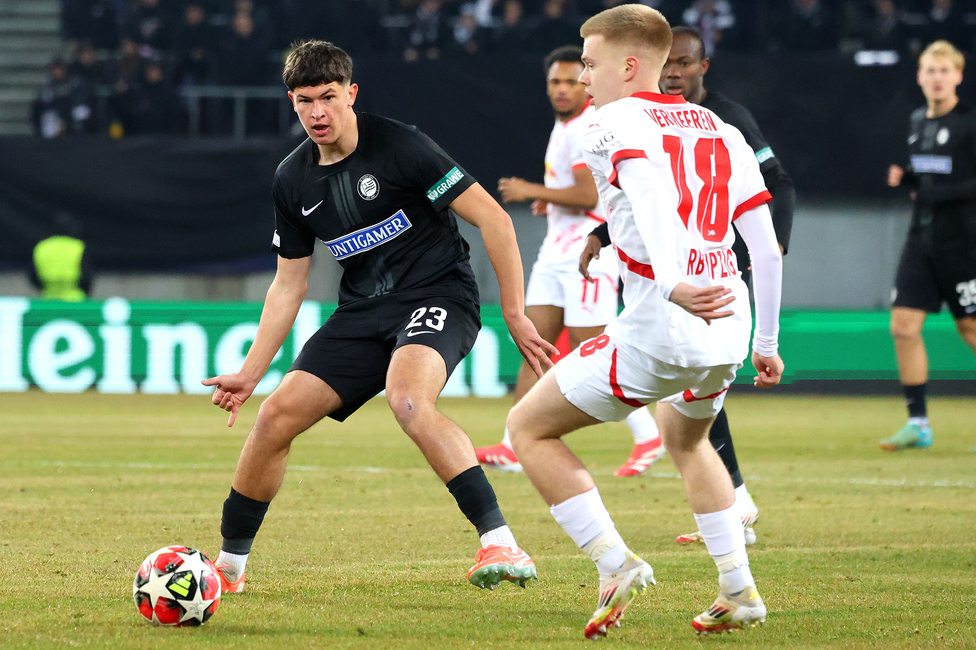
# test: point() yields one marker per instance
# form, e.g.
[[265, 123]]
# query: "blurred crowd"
[[128, 59]]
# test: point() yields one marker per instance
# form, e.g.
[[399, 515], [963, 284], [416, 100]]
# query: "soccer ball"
[[176, 586]]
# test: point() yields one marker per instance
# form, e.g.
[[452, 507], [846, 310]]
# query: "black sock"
[[241, 521], [915, 399], [721, 439], [476, 499]]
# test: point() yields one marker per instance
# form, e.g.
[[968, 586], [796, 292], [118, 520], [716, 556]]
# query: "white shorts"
[[609, 379], [584, 304]]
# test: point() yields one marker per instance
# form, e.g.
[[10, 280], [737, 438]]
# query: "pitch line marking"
[[870, 482]]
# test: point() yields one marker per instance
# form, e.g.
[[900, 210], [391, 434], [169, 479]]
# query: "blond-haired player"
[[672, 177], [938, 262]]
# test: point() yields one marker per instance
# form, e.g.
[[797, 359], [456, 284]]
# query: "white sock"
[[586, 520], [232, 564], [501, 536], [921, 422], [725, 540], [743, 500], [507, 439], [642, 426]]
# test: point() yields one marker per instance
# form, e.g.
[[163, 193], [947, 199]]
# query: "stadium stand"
[[29, 39]]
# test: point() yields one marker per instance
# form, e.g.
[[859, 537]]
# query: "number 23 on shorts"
[[436, 321]]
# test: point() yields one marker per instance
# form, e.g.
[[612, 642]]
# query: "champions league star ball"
[[176, 586]]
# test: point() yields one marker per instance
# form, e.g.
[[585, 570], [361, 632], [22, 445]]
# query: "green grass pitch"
[[364, 548]]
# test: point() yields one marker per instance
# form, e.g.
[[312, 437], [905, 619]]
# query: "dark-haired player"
[[683, 74], [556, 295], [378, 193], [938, 262]]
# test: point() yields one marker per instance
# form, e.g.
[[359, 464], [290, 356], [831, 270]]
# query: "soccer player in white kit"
[[557, 295], [672, 177]]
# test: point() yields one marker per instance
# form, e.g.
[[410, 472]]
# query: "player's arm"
[[581, 195], [598, 238], [756, 228], [780, 186], [281, 306], [777, 181], [477, 207], [648, 196]]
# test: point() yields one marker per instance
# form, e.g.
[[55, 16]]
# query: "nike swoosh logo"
[[305, 212], [416, 333]]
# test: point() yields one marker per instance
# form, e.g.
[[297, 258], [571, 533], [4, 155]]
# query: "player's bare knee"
[[902, 330], [408, 409]]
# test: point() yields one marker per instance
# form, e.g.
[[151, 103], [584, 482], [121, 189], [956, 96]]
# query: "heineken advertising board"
[[118, 346]]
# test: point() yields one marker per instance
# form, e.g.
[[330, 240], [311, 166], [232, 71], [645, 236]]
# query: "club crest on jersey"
[[370, 237], [368, 186], [942, 136]]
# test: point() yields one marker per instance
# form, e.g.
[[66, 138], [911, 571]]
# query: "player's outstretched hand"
[[591, 251], [514, 189], [231, 393], [770, 370], [534, 349], [540, 208], [895, 174], [704, 302]]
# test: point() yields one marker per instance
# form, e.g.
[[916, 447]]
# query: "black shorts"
[[351, 352], [926, 278]]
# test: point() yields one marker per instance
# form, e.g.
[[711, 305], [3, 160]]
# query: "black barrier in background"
[[170, 203]]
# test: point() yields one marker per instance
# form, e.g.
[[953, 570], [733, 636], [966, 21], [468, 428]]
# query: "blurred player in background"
[[683, 75], [557, 296], [938, 262], [673, 177], [377, 192], [61, 264]]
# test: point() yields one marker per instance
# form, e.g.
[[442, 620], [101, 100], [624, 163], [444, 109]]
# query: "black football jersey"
[[382, 211], [739, 116], [942, 171]]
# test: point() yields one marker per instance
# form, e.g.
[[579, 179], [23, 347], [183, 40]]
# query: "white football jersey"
[[702, 175], [567, 228]]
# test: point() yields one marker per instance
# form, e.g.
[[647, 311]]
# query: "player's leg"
[[537, 424], [917, 293], [906, 330], [684, 428], [648, 448], [423, 358], [548, 321], [720, 438], [300, 401], [339, 369], [967, 329], [590, 305]]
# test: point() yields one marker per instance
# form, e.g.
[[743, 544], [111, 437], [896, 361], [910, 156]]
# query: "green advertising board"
[[118, 346]]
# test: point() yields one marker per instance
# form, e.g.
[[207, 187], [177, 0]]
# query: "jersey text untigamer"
[[370, 237]]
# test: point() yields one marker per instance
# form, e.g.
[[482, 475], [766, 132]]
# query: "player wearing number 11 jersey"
[[672, 177]]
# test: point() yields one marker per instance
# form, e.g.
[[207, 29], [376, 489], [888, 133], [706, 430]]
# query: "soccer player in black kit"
[[938, 262], [683, 75], [378, 193]]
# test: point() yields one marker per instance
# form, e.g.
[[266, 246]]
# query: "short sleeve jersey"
[[567, 228], [704, 176], [382, 211]]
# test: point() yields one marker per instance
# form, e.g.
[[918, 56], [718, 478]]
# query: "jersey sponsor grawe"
[[567, 228], [382, 211], [699, 176]]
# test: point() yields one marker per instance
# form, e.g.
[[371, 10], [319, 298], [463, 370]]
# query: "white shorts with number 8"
[[609, 379]]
